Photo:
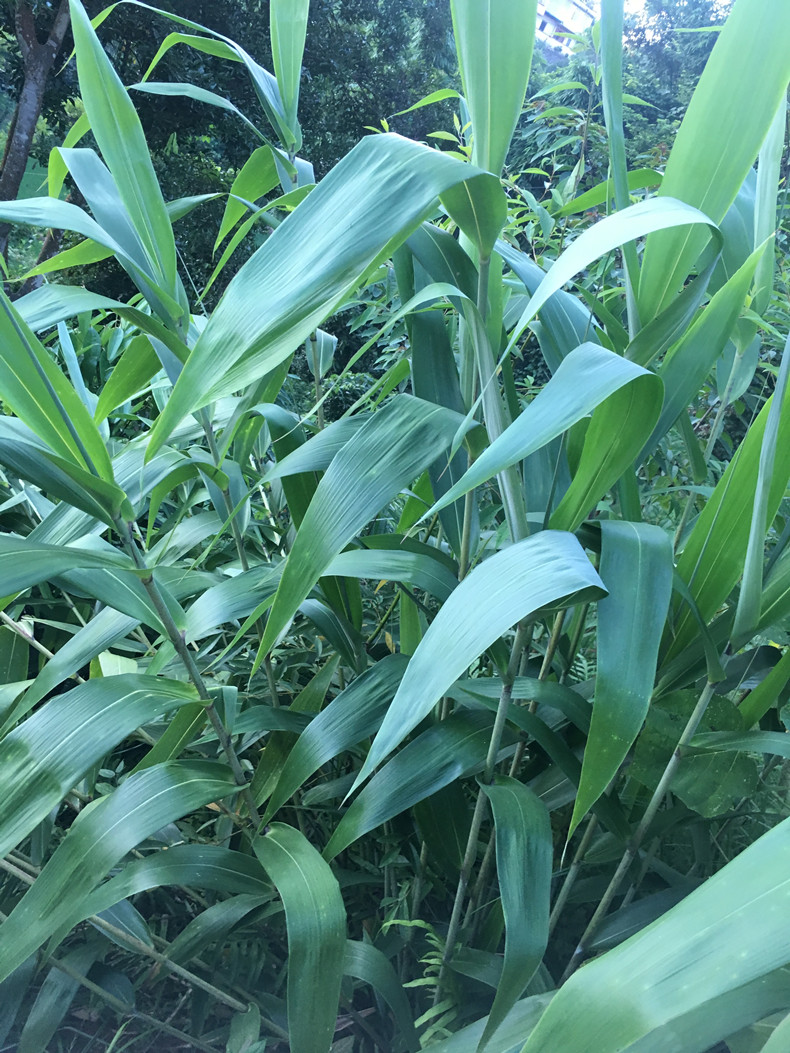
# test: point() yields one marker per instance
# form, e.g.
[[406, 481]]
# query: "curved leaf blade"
[[549, 569], [316, 920]]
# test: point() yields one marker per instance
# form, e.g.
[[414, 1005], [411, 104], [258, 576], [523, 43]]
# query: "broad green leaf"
[[24, 563], [316, 921], [713, 556], [46, 755], [367, 963], [39, 394], [386, 454], [30, 458], [192, 91], [747, 613], [686, 366], [608, 234], [358, 214], [287, 27], [494, 41], [729, 932], [548, 570], [638, 179], [81, 255], [629, 415], [96, 841], [636, 567], [51, 304], [101, 632], [213, 924], [479, 207], [207, 867], [584, 380], [258, 175], [348, 719], [118, 131], [450, 750], [719, 138], [523, 862], [130, 376]]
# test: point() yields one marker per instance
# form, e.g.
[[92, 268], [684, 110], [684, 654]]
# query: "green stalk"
[[183, 652], [470, 853], [647, 819]]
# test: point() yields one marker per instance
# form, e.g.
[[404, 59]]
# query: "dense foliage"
[[437, 706]]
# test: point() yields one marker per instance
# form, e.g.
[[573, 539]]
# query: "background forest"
[[394, 545]]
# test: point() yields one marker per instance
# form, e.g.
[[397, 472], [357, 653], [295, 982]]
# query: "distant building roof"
[[559, 17]]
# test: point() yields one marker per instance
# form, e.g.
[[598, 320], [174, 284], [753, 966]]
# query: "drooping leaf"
[[636, 567], [44, 757], [387, 454], [523, 861], [98, 838], [729, 932], [356, 216], [544, 571], [316, 920]]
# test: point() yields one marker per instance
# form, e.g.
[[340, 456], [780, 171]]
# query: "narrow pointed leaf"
[[118, 131], [450, 750], [584, 379], [548, 570], [288, 26], [48, 753], [39, 394], [367, 963], [316, 920], [608, 234], [494, 40], [97, 840], [523, 862], [348, 719], [751, 54], [636, 567], [387, 454]]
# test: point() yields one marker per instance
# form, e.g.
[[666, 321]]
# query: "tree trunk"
[[38, 59]]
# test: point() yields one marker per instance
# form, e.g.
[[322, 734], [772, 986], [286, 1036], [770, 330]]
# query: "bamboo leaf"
[[450, 750], [612, 443], [494, 41], [99, 837], [731, 931], [316, 920], [524, 861], [584, 380], [367, 963], [288, 26], [40, 395], [751, 54], [118, 131], [636, 567], [348, 719], [713, 556], [548, 570], [610, 233], [385, 455], [358, 214], [46, 755]]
